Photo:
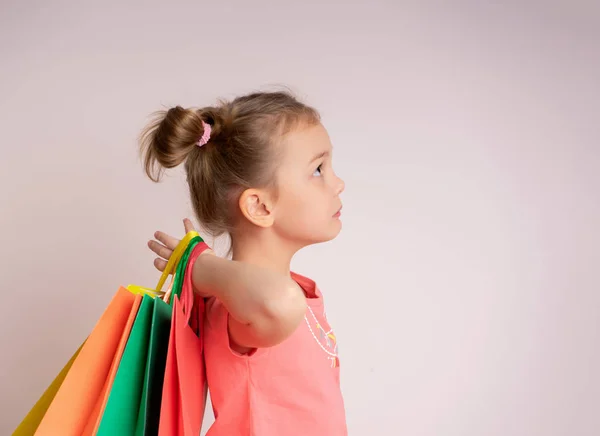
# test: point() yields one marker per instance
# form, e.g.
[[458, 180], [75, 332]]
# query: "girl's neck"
[[264, 250]]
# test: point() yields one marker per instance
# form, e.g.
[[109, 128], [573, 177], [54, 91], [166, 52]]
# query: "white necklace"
[[329, 338]]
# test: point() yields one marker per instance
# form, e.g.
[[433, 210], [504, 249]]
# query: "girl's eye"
[[318, 171]]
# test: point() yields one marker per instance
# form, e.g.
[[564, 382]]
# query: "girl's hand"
[[165, 244]]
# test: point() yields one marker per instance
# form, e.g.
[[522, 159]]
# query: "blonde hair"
[[240, 154]]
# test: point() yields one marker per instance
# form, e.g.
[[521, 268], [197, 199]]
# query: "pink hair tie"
[[206, 135]]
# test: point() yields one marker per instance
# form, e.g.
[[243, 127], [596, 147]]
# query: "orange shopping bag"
[[75, 400], [93, 421], [184, 388]]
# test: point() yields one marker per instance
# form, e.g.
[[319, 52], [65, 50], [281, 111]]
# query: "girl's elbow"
[[284, 315]]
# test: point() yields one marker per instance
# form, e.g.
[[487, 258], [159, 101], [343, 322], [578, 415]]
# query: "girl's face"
[[308, 205]]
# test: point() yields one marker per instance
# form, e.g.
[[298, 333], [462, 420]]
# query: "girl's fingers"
[[169, 241], [160, 249], [160, 264], [188, 226]]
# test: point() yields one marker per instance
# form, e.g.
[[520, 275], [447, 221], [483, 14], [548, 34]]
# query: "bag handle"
[[176, 257], [181, 268], [187, 291], [171, 266]]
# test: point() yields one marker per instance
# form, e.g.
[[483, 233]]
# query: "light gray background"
[[464, 287]]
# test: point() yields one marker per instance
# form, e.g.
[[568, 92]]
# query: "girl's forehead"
[[306, 142]]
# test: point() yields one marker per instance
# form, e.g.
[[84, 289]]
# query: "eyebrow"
[[319, 156]]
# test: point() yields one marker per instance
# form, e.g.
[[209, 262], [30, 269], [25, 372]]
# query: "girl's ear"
[[257, 207]]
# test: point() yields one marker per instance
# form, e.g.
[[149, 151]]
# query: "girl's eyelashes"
[[318, 171]]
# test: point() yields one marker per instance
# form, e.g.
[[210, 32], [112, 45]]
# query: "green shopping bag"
[[149, 411], [121, 412]]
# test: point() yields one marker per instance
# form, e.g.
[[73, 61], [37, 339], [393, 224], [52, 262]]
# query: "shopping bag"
[[31, 422], [95, 418], [120, 415], [184, 389], [75, 400], [134, 403], [77, 397], [149, 411]]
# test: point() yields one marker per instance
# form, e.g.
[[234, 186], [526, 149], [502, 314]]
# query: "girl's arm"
[[265, 307]]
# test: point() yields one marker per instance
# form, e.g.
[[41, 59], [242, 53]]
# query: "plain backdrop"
[[464, 288]]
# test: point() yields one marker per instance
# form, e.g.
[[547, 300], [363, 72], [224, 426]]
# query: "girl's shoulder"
[[308, 285]]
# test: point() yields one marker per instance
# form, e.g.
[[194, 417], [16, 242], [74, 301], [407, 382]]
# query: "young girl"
[[259, 168]]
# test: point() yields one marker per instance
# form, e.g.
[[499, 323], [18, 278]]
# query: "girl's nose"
[[340, 186]]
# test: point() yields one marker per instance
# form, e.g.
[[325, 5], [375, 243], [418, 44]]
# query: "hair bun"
[[169, 139]]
